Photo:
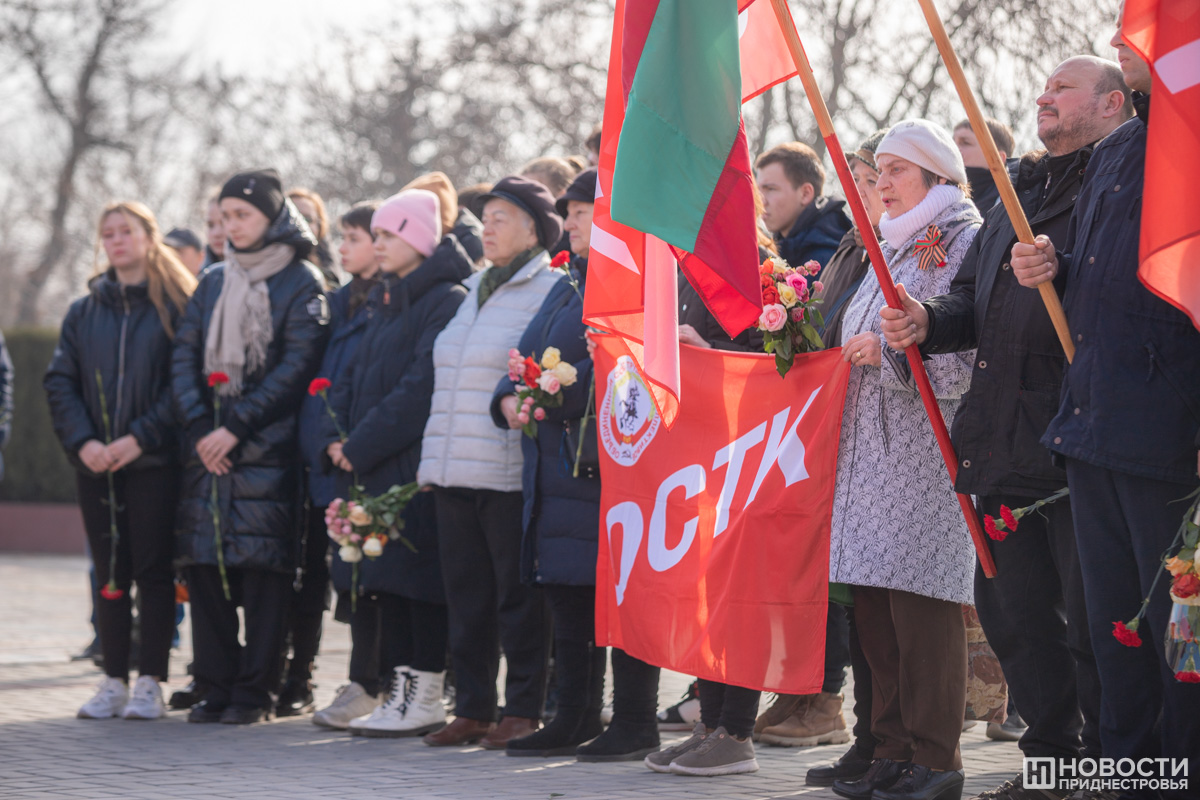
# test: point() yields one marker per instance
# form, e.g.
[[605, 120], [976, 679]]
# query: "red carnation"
[[770, 295], [217, 378], [561, 260], [1186, 585], [1188, 677], [1009, 520], [989, 524], [532, 372], [1127, 634], [111, 592], [319, 385]]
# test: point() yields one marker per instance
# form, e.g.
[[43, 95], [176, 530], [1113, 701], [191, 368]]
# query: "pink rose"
[[549, 383], [523, 418], [812, 267], [818, 287], [797, 314], [796, 281], [773, 317], [356, 538], [539, 414]]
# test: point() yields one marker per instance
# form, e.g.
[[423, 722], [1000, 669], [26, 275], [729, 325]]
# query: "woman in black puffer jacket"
[[109, 393], [260, 321], [382, 403]]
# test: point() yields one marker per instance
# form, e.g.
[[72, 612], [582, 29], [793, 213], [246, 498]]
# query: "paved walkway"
[[46, 753]]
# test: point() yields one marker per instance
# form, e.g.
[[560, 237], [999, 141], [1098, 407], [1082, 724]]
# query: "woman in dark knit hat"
[[250, 341]]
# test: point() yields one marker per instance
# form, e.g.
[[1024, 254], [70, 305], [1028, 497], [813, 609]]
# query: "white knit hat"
[[926, 145]]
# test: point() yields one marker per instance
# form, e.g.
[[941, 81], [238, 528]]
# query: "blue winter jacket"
[[562, 513], [347, 332], [816, 234], [1131, 398]]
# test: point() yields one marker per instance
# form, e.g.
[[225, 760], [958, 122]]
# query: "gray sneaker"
[[661, 761], [718, 754]]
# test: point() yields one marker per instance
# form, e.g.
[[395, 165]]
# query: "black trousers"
[[573, 611], [1035, 618], [237, 674], [1123, 525], [389, 631], [733, 707], [308, 605], [837, 649], [479, 537], [146, 504], [864, 740]]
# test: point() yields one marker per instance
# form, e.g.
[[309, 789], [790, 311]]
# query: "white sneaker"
[[351, 701], [109, 700], [146, 700], [413, 708]]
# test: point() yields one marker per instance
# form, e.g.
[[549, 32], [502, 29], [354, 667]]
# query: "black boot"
[[882, 773], [295, 699], [188, 696], [578, 717], [922, 783], [633, 733], [850, 767]]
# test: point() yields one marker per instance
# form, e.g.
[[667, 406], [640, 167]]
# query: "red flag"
[[765, 58], [1167, 37], [714, 547]]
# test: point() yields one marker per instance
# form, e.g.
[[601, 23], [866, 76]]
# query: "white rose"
[[350, 554], [566, 373], [372, 547], [359, 516]]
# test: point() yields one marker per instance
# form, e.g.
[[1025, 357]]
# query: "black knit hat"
[[866, 151], [260, 188], [583, 189], [535, 200]]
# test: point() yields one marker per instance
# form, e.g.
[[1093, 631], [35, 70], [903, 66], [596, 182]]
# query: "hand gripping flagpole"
[[999, 170], [881, 272]]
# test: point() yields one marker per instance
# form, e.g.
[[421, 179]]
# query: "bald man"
[[1033, 611]]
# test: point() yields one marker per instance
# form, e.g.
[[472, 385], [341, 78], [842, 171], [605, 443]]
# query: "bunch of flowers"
[[790, 318], [999, 529], [362, 526], [539, 384], [1181, 562]]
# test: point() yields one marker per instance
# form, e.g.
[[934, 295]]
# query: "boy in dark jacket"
[[382, 403], [348, 319]]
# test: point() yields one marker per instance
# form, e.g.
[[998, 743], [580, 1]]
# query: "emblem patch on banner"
[[628, 420]]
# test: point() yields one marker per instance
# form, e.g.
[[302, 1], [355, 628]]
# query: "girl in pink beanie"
[[407, 228]]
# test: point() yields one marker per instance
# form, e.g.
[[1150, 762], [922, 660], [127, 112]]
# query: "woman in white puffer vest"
[[475, 471]]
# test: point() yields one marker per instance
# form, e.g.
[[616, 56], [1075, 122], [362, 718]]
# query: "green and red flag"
[[675, 185]]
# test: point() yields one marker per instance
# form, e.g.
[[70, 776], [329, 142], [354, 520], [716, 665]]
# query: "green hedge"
[[35, 469]]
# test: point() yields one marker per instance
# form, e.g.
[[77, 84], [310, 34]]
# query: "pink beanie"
[[415, 216]]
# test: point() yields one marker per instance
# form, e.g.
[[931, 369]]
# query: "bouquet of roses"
[[539, 384], [790, 317], [363, 526]]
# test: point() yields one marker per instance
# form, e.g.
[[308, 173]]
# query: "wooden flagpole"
[[825, 123], [997, 167]]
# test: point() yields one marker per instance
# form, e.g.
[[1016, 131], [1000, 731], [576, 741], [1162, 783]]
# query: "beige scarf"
[[241, 330]]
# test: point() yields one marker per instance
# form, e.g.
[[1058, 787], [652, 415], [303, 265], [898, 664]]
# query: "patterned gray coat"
[[896, 521]]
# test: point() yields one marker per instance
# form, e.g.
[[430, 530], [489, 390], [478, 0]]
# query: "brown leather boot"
[[509, 728], [460, 731], [784, 706], [821, 723]]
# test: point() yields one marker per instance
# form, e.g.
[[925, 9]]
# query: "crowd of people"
[[180, 390]]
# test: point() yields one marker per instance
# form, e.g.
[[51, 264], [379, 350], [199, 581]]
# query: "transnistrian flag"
[[674, 184], [1167, 37]]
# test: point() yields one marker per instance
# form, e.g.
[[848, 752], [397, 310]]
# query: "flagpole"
[[999, 170], [825, 123]]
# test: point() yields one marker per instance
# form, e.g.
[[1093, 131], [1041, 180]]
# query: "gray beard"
[[1069, 136]]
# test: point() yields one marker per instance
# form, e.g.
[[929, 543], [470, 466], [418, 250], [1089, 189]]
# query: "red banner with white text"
[[714, 534]]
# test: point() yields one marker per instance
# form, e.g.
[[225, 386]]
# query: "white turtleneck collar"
[[899, 230]]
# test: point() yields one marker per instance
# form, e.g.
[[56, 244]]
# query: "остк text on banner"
[[714, 546]]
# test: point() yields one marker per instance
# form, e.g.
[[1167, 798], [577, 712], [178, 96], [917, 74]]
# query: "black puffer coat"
[[382, 402], [114, 329], [259, 498]]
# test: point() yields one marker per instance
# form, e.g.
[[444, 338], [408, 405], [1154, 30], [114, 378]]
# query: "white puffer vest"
[[462, 446]]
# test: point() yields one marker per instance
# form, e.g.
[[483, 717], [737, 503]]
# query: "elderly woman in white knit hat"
[[898, 537]]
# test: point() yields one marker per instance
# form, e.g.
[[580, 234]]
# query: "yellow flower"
[[787, 295], [565, 373], [1177, 566], [551, 358], [359, 516]]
